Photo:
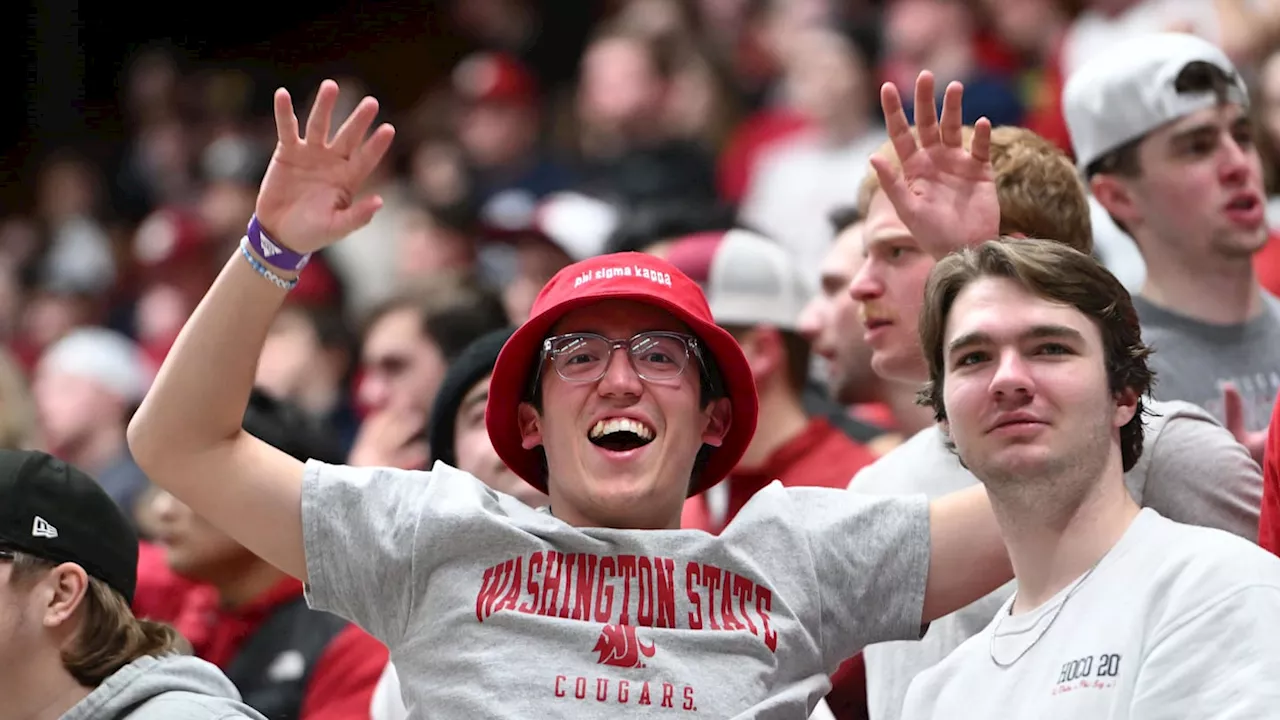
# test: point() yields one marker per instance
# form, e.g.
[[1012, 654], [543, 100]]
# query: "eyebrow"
[[1038, 332], [1209, 128], [474, 400], [885, 238], [1191, 132]]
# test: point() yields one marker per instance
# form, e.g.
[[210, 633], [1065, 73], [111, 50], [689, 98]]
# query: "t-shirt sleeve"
[[360, 535], [1238, 658], [871, 561], [1200, 475]]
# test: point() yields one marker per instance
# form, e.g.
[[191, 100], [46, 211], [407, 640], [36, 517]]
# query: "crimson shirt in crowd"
[[342, 683]]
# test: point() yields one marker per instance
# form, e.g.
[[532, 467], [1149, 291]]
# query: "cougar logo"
[[619, 646]]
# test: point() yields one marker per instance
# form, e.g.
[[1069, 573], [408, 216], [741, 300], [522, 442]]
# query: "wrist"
[[282, 279], [270, 251]]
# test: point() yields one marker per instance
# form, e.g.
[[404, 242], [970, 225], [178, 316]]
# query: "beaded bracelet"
[[265, 271]]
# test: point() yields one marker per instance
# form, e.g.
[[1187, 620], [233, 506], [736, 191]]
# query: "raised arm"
[[967, 557], [187, 434], [944, 192]]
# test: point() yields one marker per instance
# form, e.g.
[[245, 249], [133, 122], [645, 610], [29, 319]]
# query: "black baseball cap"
[[471, 365], [56, 512]]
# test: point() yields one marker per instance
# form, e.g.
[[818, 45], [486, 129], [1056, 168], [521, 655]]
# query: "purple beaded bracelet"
[[275, 254]]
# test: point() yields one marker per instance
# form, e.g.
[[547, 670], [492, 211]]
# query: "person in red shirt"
[[244, 615], [1269, 516]]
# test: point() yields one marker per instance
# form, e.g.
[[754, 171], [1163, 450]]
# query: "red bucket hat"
[[620, 276]]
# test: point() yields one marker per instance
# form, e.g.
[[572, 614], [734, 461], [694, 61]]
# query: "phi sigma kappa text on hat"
[[608, 273], [42, 529]]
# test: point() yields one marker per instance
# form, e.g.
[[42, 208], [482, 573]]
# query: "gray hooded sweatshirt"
[[164, 688]]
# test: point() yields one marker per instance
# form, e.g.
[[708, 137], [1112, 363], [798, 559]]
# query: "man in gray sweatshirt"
[[69, 645]]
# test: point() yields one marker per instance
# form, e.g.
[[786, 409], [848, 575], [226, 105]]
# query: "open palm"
[[308, 197], [944, 193]]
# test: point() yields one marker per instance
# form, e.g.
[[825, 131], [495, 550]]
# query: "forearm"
[[198, 399], [1248, 34], [967, 556]]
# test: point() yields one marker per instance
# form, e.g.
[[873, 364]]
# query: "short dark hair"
[[1057, 272], [454, 310], [842, 218]]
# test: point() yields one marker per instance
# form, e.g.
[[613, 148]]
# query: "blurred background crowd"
[[560, 130]]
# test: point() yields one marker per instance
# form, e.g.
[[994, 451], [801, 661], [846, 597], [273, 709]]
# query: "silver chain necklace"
[[995, 633]]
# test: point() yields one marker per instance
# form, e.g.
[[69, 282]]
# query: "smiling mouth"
[[874, 324], [620, 434]]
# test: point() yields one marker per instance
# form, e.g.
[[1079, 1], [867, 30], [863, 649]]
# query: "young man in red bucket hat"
[[619, 397]]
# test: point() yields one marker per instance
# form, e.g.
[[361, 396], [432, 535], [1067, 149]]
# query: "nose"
[[812, 318], [1012, 378], [620, 378], [866, 284], [1235, 161]]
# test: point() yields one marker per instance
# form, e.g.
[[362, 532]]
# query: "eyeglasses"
[[655, 355]]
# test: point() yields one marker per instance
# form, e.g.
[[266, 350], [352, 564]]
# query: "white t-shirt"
[[1191, 470], [1176, 621], [493, 609]]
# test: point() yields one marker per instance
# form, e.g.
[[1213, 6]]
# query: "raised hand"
[[944, 194], [1234, 420], [308, 198]]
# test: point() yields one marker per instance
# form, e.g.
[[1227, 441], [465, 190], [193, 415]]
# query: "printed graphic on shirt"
[[1088, 673], [627, 594], [619, 646]]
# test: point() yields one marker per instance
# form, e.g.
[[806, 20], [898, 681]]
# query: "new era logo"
[[269, 248], [41, 528]]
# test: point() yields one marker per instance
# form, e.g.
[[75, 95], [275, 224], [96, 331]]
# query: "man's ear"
[[1126, 407], [530, 426], [765, 352], [1116, 197], [719, 413], [61, 593]]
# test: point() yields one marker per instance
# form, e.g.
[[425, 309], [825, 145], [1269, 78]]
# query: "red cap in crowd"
[[494, 77]]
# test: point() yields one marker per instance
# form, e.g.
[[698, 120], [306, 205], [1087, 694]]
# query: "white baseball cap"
[[748, 279], [102, 355], [1125, 93]]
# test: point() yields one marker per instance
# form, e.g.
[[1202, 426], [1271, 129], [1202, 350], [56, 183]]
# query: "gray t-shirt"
[[493, 609], [1191, 471], [1193, 359]]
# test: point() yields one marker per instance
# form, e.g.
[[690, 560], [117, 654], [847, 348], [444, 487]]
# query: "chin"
[[1016, 465]]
